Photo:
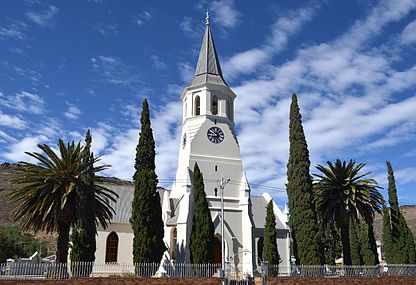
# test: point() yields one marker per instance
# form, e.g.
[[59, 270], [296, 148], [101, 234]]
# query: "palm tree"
[[51, 192], [342, 193]]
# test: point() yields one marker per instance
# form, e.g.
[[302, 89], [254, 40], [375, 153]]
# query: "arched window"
[[260, 249], [111, 248], [197, 106], [216, 192], [173, 243], [214, 106], [217, 249]]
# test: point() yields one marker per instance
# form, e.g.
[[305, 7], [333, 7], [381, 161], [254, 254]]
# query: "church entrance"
[[217, 249]]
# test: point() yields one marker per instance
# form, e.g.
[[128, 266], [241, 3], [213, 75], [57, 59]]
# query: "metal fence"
[[19, 270], [339, 270]]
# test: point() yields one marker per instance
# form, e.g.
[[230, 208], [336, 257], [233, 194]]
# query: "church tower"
[[208, 138]]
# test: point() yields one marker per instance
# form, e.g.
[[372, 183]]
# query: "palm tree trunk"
[[345, 240], [63, 240]]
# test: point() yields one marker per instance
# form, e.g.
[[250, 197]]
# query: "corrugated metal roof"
[[258, 210], [122, 207]]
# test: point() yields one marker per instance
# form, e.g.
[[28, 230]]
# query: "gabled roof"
[[208, 69]]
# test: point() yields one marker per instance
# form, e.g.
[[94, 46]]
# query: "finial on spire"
[[207, 18]]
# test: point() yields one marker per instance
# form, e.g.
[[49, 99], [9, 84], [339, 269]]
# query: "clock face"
[[215, 135]]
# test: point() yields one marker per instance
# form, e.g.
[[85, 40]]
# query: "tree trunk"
[[345, 240], [63, 240]]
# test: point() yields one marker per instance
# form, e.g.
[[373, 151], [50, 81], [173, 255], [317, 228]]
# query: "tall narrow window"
[[214, 107], [260, 246], [111, 248], [228, 108], [216, 192], [197, 106], [173, 243]]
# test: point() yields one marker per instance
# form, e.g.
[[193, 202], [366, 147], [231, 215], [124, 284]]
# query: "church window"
[[216, 192], [197, 106], [173, 243], [111, 249], [260, 249], [228, 108], [216, 168], [214, 107]]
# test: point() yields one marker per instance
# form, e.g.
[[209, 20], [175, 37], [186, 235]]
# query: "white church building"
[[208, 138]]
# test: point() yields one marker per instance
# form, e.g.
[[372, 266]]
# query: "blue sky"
[[66, 66]]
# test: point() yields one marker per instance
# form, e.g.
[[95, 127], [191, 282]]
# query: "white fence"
[[19, 270], [339, 271]]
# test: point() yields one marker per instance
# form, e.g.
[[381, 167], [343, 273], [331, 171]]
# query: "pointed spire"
[[208, 69]]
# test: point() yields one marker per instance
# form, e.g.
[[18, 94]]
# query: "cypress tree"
[[302, 219], [329, 235], [355, 245], [202, 235], [368, 245], [270, 250], [83, 234], [404, 251], [146, 217], [387, 237]]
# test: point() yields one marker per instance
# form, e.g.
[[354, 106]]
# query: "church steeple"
[[208, 69]]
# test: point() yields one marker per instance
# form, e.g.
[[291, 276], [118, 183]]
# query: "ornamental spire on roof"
[[208, 69]]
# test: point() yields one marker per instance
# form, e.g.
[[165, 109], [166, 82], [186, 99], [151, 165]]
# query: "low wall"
[[117, 281], [384, 280]]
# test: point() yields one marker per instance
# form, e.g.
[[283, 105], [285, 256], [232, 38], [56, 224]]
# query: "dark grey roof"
[[208, 69], [259, 205], [122, 207]]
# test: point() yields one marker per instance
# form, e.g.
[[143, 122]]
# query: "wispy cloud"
[[249, 61], [142, 18], [112, 70], [408, 35], [12, 121], [45, 17], [186, 71], [4, 137], [24, 102], [225, 13], [107, 29], [188, 27], [15, 30], [73, 112], [157, 62]]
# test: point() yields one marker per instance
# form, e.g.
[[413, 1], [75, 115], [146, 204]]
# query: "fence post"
[[264, 272]]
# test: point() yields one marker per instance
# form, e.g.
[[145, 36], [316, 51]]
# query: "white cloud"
[[408, 35], [73, 112], [225, 13], [43, 18], [188, 27], [11, 121], [28, 144], [7, 137], [250, 60], [186, 71], [24, 102]]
